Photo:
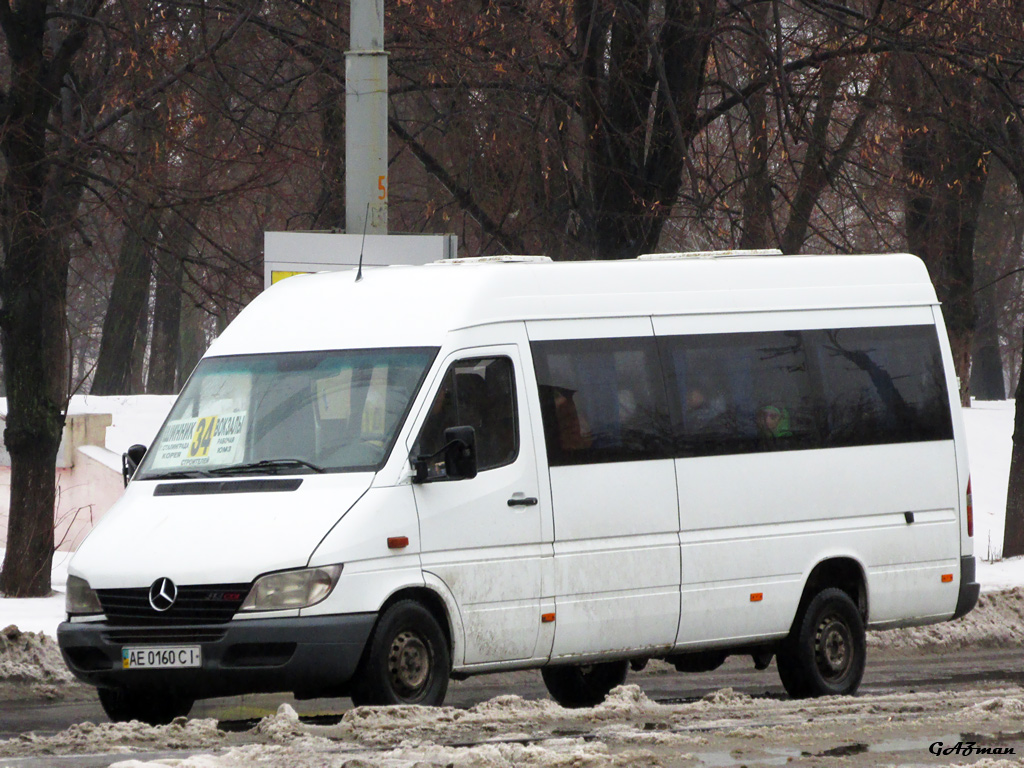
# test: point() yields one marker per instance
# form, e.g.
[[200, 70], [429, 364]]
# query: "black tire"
[[407, 660], [826, 650], [585, 685], [146, 706]]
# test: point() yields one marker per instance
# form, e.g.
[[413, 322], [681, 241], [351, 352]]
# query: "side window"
[[602, 400], [479, 393], [884, 385], [741, 393]]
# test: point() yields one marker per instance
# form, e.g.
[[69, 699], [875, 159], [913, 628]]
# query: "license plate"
[[161, 657]]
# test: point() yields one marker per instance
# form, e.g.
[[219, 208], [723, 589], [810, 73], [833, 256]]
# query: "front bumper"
[[314, 656]]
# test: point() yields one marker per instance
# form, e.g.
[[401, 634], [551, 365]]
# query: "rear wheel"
[[152, 707], [585, 685], [407, 660], [826, 650]]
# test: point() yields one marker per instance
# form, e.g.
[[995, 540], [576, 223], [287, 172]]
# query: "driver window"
[[479, 393]]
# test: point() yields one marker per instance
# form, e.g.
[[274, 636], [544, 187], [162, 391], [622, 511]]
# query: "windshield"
[[288, 413]]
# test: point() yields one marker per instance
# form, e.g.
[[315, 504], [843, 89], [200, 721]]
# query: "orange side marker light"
[[947, 578], [398, 542], [547, 618], [756, 597]]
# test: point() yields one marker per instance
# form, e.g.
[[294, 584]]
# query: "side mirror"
[[130, 461], [459, 454]]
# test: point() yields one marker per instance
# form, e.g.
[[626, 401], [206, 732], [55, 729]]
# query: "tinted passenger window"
[[741, 392], [601, 400], [884, 385], [747, 392], [478, 393]]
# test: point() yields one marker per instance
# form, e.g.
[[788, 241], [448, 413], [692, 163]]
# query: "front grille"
[[204, 604], [164, 635]]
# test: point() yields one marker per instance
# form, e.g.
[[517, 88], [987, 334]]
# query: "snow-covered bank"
[[29, 657]]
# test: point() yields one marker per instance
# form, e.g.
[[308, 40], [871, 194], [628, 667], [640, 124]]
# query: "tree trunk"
[[757, 192], [641, 82], [193, 338], [35, 361], [945, 172], [36, 199], [330, 204], [170, 273], [987, 381], [127, 302], [137, 371], [129, 294], [1013, 527]]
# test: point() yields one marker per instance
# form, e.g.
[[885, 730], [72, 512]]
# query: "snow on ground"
[[724, 728]]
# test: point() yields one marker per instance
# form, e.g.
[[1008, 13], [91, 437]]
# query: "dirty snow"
[[723, 728], [30, 663]]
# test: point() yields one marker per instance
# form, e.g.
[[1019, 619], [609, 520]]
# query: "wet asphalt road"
[[888, 672]]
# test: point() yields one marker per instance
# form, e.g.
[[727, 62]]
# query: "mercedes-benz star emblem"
[[162, 594]]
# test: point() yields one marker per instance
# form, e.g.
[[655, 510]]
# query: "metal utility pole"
[[366, 121]]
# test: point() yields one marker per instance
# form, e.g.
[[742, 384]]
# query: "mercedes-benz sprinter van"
[[368, 487]]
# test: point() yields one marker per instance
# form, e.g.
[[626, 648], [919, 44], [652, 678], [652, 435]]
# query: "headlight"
[[81, 599], [291, 589]]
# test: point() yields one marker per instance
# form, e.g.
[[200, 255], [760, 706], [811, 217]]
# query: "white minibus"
[[369, 487]]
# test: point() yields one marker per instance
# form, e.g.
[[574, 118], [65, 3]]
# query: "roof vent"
[[507, 259], [708, 254]]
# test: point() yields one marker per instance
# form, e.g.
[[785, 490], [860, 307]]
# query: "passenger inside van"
[[572, 431], [773, 426]]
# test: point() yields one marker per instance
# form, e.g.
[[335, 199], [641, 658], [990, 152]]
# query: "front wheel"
[[826, 650], [152, 707], [585, 685], [407, 660]]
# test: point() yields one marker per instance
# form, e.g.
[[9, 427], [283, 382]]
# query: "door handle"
[[522, 501]]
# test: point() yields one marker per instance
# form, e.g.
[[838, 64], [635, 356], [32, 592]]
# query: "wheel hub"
[[833, 647], [409, 662]]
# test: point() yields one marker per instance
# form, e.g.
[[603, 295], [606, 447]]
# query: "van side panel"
[[758, 524], [613, 486], [863, 467], [616, 556], [483, 537]]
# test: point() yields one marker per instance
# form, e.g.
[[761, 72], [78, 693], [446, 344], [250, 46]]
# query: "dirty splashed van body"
[[367, 488]]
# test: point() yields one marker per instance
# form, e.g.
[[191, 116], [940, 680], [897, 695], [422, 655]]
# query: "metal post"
[[366, 121]]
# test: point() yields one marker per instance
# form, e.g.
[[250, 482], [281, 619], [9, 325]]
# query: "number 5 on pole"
[[382, 186]]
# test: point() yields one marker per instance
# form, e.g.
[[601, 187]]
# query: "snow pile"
[[510, 732], [86, 738], [29, 657], [1003, 705], [996, 622]]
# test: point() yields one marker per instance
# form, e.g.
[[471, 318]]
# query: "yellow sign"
[[203, 436], [277, 275]]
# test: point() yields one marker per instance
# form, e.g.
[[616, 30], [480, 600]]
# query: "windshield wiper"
[[178, 475], [266, 465]]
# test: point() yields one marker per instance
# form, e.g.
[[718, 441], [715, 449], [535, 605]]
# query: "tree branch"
[[463, 196]]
